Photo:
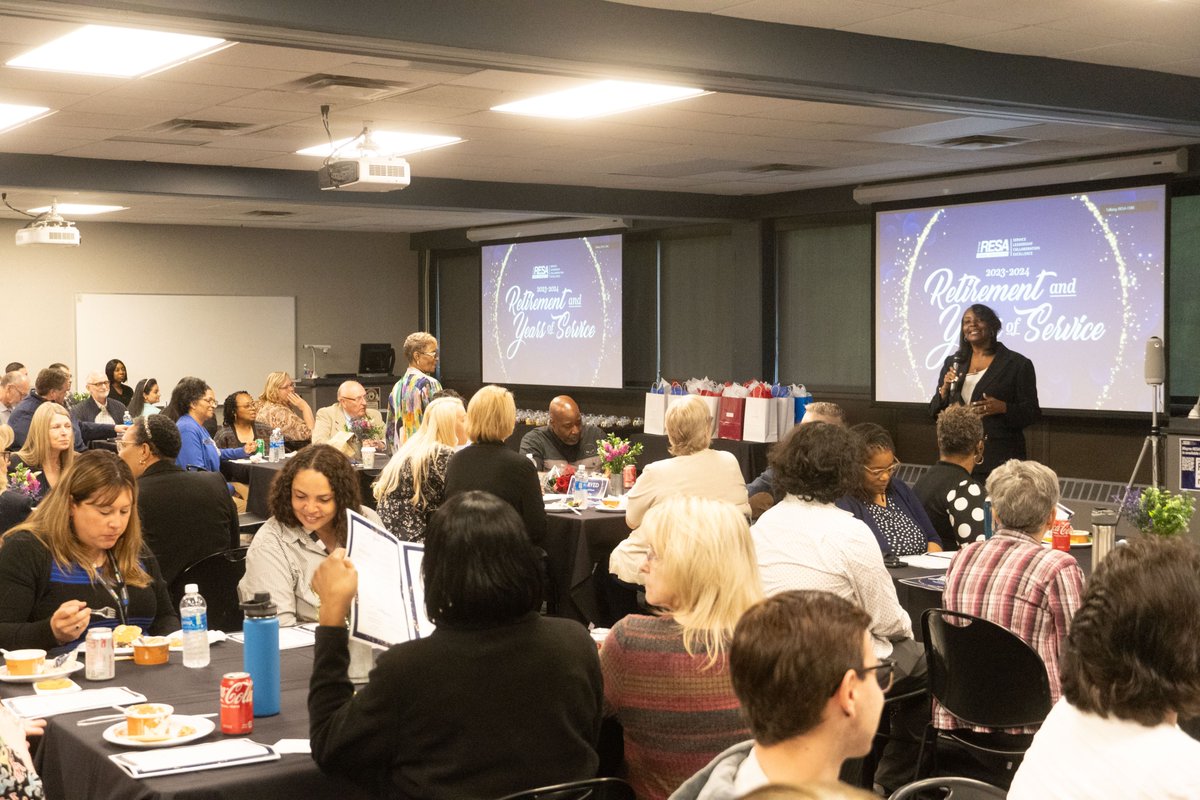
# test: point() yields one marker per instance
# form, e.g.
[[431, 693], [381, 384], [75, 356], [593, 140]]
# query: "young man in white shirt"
[[803, 667]]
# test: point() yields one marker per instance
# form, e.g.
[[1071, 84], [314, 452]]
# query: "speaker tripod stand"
[[1151, 443]]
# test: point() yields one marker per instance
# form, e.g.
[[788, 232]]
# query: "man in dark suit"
[[100, 416], [185, 515]]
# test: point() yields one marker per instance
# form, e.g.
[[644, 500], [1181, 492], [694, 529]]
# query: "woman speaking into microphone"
[[995, 383]]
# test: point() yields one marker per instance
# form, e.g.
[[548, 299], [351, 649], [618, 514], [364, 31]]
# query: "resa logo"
[[541, 271], [992, 248]]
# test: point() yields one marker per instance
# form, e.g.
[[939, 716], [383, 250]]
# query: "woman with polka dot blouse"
[[953, 499], [885, 503]]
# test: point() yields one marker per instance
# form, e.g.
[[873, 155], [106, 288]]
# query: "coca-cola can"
[[99, 658], [237, 703], [629, 475]]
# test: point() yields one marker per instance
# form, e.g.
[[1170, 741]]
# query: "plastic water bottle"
[[128, 420], [276, 452], [579, 493], [260, 656], [193, 613]]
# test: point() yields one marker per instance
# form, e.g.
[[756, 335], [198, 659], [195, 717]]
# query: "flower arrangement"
[[616, 453], [24, 480], [558, 479], [364, 429], [1158, 511], [75, 398]]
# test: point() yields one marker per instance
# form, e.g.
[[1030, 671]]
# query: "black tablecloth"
[[259, 477], [73, 761], [915, 600], [575, 545], [751, 456]]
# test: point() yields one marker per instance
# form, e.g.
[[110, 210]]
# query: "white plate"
[[214, 637], [201, 727], [616, 510], [46, 674], [559, 507], [550, 497]]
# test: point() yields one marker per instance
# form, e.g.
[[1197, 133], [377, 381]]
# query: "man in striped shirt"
[[1011, 579]]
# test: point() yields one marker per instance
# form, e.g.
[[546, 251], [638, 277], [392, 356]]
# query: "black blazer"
[[1010, 378], [185, 516], [494, 467]]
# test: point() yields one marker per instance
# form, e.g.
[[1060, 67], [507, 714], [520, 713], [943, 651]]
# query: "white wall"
[[349, 287]]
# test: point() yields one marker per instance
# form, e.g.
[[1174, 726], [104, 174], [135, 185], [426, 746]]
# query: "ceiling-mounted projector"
[[49, 228], [366, 174]]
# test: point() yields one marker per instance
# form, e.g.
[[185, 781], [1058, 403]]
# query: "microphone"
[[1156, 367], [959, 363]]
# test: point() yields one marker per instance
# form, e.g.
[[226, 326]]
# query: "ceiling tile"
[[928, 26]]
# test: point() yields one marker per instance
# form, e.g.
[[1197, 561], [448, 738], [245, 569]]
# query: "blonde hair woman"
[[488, 464], [695, 470], [281, 407], [666, 678], [49, 447], [81, 551], [413, 484]]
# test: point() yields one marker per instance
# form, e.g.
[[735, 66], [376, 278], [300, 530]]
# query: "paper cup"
[[151, 650], [25, 662], [368, 457], [148, 719]]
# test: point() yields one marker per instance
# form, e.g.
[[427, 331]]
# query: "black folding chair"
[[986, 676], [949, 789], [592, 789], [217, 576]]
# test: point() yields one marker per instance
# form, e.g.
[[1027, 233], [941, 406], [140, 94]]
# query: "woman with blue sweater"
[[193, 403], [885, 503]]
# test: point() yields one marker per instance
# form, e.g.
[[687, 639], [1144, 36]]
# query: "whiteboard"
[[231, 342]]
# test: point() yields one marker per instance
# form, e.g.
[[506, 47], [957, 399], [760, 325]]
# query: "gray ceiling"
[[806, 95]]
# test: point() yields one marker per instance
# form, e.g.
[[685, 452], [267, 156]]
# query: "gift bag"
[[760, 423], [730, 412], [713, 403], [785, 413], [656, 409]]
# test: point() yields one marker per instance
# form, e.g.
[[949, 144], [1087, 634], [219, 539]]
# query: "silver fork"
[[105, 613]]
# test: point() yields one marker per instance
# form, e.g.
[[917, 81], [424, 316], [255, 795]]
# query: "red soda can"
[[628, 476], [237, 703], [1061, 535]]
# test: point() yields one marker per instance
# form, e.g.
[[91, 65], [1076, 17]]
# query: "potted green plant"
[[1159, 512]]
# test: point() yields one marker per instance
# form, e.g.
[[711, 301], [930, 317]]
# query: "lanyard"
[[120, 594]]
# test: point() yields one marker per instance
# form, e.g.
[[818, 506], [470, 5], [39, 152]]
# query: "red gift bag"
[[731, 412]]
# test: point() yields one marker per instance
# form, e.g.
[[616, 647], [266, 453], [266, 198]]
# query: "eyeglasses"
[[885, 673], [879, 472], [434, 354], [212, 401], [122, 444], [98, 383], [358, 399]]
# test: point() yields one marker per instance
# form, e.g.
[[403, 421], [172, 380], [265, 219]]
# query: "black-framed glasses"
[[885, 672]]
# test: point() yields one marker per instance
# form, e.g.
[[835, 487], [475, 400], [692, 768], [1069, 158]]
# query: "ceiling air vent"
[[976, 142], [777, 169], [208, 127], [347, 87]]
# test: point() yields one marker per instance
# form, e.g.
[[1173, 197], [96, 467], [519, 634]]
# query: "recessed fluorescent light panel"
[[12, 116], [386, 143], [77, 209], [599, 100], [117, 52]]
